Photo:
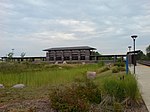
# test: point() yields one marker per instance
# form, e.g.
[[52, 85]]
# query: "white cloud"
[[35, 2], [47, 36], [104, 24]]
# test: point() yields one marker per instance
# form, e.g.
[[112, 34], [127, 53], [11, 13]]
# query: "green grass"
[[36, 75], [40, 78]]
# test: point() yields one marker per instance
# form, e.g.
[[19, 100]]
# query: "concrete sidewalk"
[[143, 76]]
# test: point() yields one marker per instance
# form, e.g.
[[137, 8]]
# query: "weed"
[[121, 89], [77, 97]]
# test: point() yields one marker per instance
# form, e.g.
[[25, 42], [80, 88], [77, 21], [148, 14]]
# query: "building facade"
[[80, 53]]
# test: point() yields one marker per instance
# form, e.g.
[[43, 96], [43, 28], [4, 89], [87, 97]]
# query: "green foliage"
[[122, 69], [96, 53], [65, 99], [141, 56], [131, 87], [148, 56], [121, 88], [89, 89], [117, 107], [75, 98], [148, 49], [23, 54], [10, 55], [119, 64], [100, 63], [115, 88], [8, 67], [105, 69], [117, 69], [41, 74]]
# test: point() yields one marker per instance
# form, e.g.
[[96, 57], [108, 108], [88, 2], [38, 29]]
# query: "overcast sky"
[[33, 25]]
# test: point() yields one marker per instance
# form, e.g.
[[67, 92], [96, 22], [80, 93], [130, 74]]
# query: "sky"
[[31, 26]]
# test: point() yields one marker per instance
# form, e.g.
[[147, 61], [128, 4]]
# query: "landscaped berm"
[[42, 87]]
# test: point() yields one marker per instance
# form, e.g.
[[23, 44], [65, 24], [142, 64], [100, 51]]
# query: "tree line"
[[142, 56]]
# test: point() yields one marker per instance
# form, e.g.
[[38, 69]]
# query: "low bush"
[[132, 90], [122, 69], [104, 69], [119, 64], [117, 107], [121, 88], [115, 70], [65, 99], [89, 89], [115, 88], [75, 98]]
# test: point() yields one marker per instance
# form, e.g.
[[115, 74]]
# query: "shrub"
[[121, 88], [131, 87], [117, 107], [87, 88], [115, 88], [119, 64], [104, 69], [66, 99], [101, 64], [9, 67], [122, 69], [115, 70], [75, 98]]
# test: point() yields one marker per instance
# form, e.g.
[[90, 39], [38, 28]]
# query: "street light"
[[129, 48], [134, 37]]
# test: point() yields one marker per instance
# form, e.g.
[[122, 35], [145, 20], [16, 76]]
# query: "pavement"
[[142, 74]]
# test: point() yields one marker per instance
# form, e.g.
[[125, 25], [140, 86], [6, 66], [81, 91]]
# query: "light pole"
[[129, 48], [134, 61], [12, 50]]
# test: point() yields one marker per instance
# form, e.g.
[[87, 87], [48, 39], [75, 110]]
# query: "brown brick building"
[[79, 53]]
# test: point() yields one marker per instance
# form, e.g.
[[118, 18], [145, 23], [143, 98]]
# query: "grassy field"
[[36, 75], [40, 78]]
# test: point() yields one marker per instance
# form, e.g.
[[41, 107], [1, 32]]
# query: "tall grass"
[[121, 87], [41, 74]]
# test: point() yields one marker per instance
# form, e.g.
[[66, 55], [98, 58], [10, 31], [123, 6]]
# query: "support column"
[[79, 57], [62, 56], [70, 56], [54, 56], [115, 58], [95, 57]]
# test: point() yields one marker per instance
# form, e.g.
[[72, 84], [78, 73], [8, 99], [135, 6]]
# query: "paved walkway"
[[143, 76]]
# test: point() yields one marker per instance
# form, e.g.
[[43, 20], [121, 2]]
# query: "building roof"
[[132, 52], [70, 48]]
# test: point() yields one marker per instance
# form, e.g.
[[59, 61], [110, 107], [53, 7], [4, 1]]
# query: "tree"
[[10, 55], [148, 49], [141, 56], [22, 54], [148, 52]]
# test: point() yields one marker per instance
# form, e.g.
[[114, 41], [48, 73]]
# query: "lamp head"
[[134, 36], [129, 47]]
